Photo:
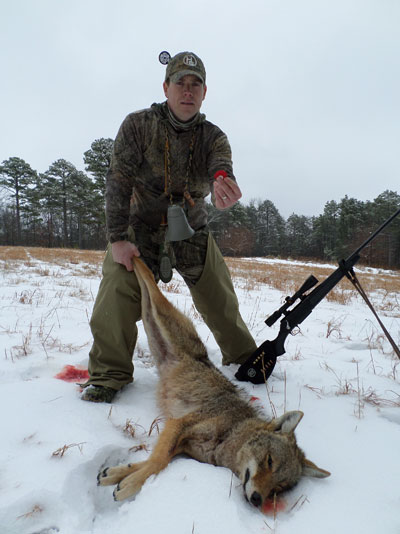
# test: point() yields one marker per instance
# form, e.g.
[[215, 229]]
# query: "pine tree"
[[83, 213], [298, 236], [386, 248], [98, 160], [350, 226], [236, 238], [32, 215], [58, 188], [269, 229], [326, 229], [16, 176]]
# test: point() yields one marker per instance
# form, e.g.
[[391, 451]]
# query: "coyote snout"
[[207, 417]]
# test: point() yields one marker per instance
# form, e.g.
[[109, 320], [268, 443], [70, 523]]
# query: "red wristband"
[[224, 174]]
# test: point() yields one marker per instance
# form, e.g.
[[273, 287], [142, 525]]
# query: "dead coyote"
[[206, 415]]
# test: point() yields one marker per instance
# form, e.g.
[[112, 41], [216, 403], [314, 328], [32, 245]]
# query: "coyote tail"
[[170, 333]]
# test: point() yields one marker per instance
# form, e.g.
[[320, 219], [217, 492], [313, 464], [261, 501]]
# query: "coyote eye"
[[269, 461], [246, 476]]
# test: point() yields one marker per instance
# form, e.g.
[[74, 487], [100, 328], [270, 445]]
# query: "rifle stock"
[[259, 366]]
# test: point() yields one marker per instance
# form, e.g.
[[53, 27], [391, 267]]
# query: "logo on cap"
[[190, 61]]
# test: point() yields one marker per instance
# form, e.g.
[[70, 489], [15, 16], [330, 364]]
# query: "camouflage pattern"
[[136, 179], [185, 63], [187, 257]]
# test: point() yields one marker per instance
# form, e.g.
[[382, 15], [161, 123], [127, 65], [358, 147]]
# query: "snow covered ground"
[[338, 370]]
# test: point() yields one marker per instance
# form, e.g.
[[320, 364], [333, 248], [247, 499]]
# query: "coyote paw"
[[113, 475], [131, 484]]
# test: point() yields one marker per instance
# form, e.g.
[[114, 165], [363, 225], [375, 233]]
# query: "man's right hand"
[[123, 252]]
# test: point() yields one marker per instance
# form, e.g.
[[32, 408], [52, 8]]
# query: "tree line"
[[64, 207]]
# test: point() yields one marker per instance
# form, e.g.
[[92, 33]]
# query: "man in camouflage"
[[166, 155]]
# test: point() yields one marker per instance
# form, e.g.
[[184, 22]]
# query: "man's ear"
[[205, 91], [165, 87]]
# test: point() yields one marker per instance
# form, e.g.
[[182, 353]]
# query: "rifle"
[[259, 366]]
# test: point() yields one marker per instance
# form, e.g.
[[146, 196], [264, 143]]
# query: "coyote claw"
[[102, 474]]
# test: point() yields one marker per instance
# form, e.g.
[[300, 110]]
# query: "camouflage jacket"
[[135, 184]]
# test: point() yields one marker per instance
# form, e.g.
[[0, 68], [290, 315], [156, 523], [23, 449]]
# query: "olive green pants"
[[118, 308]]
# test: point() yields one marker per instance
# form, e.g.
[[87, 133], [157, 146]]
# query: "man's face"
[[185, 97]]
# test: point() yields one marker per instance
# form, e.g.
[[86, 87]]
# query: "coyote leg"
[[131, 477]]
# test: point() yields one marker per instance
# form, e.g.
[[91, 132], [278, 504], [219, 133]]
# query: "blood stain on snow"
[[70, 373], [273, 506]]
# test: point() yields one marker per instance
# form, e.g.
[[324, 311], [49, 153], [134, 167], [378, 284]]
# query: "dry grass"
[[19, 351], [56, 256], [174, 286], [59, 453], [140, 447], [130, 428], [287, 278], [247, 273], [14, 254], [333, 327], [35, 511], [155, 425], [354, 388]]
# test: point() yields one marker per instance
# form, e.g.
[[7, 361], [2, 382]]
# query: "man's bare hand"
[[226, 192], [123, 252]]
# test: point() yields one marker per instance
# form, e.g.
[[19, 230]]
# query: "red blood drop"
[[69, 373], [273, 506]]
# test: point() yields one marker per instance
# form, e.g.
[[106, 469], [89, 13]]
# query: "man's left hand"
[[226, 192]]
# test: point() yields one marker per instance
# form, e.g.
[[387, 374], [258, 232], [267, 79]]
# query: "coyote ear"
[[311, 470], [287, 422]]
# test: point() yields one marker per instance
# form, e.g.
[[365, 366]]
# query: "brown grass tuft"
[[35, 510], [62, 450], [155, 425], [141, 447]]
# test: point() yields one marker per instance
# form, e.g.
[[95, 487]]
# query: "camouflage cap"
[[183, 64]]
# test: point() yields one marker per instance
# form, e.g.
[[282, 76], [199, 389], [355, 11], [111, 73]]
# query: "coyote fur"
[[207, 417]]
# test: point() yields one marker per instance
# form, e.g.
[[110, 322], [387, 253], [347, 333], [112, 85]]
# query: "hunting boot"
[[98, 394]]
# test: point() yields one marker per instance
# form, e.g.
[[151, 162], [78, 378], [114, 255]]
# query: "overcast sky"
[[307, 90]]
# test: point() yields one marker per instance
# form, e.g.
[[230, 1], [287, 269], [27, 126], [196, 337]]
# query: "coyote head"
[[270, 461]]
